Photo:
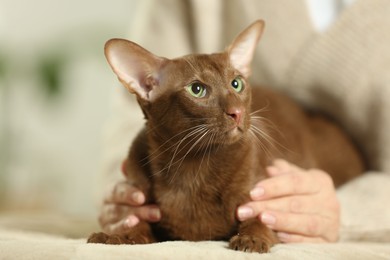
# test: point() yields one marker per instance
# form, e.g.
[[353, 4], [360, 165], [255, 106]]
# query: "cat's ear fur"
[[136, 68], [242, 49]]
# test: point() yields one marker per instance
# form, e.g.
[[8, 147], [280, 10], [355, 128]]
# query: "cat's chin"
[[233, 135]]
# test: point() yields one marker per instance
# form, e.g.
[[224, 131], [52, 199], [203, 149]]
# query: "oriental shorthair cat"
[[208, 138]]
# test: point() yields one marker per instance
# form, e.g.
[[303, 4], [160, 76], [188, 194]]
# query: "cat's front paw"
[[250, 243], [103, 238], [98, 238], [118, 239]]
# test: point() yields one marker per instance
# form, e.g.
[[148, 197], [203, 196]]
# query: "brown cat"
[[209, 137]]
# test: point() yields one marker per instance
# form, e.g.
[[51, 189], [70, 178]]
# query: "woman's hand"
[[123, 208], [300, 205]]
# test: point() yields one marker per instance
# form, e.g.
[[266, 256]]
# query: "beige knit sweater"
[[344, 71]]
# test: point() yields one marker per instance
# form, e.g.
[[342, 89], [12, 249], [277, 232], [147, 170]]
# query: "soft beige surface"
[[360, 239], [23, 245], [365, 214]]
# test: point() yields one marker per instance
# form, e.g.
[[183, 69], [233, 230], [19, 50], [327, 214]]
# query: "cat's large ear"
[[136, 68], [242, 49]]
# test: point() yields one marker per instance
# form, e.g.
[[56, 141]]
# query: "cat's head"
[[197, 96]]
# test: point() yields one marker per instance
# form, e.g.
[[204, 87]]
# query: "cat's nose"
[[236, 114]]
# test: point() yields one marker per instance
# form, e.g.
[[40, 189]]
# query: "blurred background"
[[54, 100]]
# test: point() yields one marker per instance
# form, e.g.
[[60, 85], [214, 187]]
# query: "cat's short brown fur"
[[209, 137]]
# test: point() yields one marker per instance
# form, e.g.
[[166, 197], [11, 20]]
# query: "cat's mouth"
[[234, 133]]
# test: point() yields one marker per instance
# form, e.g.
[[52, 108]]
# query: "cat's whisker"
[[197, 134], [156, 124], [210, 146], [265, 121], [152, 156], [264, 134], [259, 142], [181, 160], [269, 139], [193, 135], [198, 130], [207, 149], [263, 109]]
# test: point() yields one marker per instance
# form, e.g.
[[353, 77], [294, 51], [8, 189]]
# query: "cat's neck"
[[185, 163]]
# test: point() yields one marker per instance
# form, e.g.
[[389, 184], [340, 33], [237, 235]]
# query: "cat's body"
[[209, 137]]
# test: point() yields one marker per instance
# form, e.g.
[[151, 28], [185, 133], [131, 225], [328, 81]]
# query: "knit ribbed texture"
[[345, 72]]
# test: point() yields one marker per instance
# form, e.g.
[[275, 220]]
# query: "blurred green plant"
[[50, 69], [3, 146], [3, 67]]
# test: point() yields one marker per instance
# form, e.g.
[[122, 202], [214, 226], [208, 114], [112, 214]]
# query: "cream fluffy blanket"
[[360, 239], [23, 245]]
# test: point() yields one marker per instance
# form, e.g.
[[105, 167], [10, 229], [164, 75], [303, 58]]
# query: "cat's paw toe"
[[98, 238], [248, 243], [139, 239], [103, 238], [117, 240]]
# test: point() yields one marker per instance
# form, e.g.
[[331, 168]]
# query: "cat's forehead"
[[207, 68]]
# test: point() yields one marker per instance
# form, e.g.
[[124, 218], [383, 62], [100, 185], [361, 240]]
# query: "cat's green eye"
[[197, 89], [237, 84]]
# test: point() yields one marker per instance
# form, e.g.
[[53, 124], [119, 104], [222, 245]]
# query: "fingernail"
[[138, 197], [256, 193], [131, 221], [244, 213], [268, 219], [155, 214]]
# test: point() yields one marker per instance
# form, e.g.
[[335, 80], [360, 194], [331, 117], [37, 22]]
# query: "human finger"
[[295, 204], [121, 226], [125, 193], [112, 213], [295, 238], [278, 167], [299, 182], [302, 224], [149, 213]]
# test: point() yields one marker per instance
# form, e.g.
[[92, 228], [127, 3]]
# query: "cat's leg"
[[140, 234], [253, 236]]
